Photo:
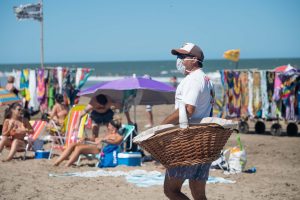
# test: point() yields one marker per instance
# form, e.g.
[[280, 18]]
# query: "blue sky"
[[95, 30]]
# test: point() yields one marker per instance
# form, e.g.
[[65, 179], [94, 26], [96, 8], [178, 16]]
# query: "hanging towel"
[[33, 102], [237, 93], [288, 98], [270, 90], [44, 101], [86, 73], [24, 84], [51, 90], [244, 94], [256, 94], [276, 108], [17, 75], [277, 88], [69, 86], [41, 85], [250, 86], [60, 79], [264, 94], [78, 77], [230, 112]]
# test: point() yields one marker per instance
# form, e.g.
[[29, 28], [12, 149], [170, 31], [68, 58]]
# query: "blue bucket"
[[40, 154]]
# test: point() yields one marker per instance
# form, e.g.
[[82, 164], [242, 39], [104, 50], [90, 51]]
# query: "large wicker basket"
[[201, 143]]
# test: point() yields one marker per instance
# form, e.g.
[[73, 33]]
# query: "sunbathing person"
[[15, 128], [93, 146], [59, 111]]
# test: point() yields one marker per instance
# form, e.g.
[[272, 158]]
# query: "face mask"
[[180, 66]]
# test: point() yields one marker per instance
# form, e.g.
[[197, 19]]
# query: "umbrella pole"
[[134, 110]]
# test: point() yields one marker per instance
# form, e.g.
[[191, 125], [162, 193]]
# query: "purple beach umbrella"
[[149, 92]]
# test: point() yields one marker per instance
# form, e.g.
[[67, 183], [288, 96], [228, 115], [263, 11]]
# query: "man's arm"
[[174, 117], [88, 108]]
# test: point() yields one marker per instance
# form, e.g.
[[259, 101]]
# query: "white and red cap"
[[189, 49]]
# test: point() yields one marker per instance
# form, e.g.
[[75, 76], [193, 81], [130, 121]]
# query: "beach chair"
[[57, 131], [127, 131], [35, 142], [71, 136]]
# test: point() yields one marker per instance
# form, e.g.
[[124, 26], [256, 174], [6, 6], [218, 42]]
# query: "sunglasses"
[[19, 109], [183, 56]]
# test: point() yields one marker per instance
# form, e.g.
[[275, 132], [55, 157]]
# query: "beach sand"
[[276, 159]]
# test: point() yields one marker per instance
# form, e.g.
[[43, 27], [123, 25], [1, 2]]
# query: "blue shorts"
[[198, 172]]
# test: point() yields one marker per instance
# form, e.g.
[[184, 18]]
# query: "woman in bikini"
[[59, 111], [15, 128], [94, 146]]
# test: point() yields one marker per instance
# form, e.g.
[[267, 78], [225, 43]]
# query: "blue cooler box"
[[130, 158], [40, 154]]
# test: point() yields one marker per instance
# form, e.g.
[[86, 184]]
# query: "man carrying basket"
[[197, 93]]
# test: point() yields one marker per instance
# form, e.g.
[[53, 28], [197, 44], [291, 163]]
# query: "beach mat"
[[140, 178]]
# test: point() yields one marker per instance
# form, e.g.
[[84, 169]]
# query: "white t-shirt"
[[197, 90]]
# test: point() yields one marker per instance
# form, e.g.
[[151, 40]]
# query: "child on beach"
[[15, 128], [94, 145]]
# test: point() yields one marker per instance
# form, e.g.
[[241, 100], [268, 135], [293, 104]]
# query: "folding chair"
[[34, 141], [71, 136], [58, 131], [128, 133]]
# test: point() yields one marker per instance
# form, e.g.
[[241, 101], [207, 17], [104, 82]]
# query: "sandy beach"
[[276, 159]]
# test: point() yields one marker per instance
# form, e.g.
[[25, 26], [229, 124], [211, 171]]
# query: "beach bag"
[[237, 158], [109, 156], [189, 144], [221, 162]]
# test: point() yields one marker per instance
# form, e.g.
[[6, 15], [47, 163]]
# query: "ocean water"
[[158, 70]]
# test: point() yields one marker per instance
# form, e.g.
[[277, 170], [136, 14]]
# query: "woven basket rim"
[[176, 128], [164, 142]]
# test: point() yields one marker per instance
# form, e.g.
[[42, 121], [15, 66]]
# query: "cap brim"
[[179, 51]]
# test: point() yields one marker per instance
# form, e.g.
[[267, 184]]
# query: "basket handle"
[[183, 119]]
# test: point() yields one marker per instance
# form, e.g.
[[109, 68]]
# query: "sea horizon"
[[147, 60]]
